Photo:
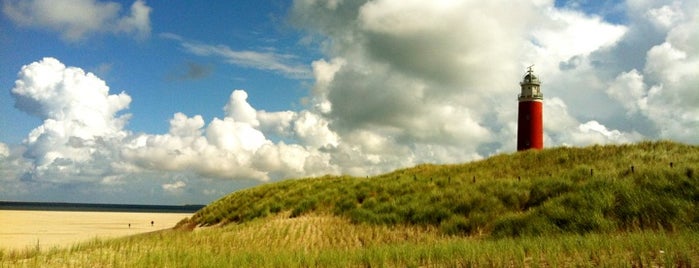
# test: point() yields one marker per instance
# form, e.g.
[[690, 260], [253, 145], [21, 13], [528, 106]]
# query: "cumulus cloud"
[[76, 19], [592, 132], [82, 137], [437, 81], [234, 147], [561, 128], [663, 89], [81, 120]]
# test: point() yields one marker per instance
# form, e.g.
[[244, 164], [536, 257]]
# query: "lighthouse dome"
[[530, 78]]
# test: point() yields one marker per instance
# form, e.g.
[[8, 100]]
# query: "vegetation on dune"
[[618, 205], [600, 189]]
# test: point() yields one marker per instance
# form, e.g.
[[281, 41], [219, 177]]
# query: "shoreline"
[[96, 207]]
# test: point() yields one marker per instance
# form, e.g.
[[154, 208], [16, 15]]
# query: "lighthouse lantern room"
[[530, 123]]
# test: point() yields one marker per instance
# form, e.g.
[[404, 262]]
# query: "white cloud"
[[174, 187], [572, 34], [76, 19], [83, 138], [284, 64], [4, 150], [561, 128], [81, 123], [239, 109], [138, 22], [592, 132], [313, 130], [663, 90], [324, 73], [231, 135], [441, 41], [628, 89], [234, 147], [436, 81], [665, 16]]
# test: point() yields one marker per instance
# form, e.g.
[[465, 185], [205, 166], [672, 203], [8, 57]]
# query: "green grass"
[[328, 241], [598, 189], [617, 205]]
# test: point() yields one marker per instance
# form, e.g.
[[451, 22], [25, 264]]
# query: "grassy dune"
[[600, 189], [620, 205]]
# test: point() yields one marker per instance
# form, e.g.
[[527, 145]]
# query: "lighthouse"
[[530, 122]]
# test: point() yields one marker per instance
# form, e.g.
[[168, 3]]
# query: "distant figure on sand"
[[129, 226], [151, 223]]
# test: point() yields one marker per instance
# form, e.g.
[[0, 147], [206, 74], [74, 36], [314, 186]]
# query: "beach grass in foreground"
[[328, 241]]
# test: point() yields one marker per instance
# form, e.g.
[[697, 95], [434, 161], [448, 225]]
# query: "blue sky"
[[205, 99], [154, 71]]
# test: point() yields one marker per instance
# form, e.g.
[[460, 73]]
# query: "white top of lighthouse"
[[530, 84]]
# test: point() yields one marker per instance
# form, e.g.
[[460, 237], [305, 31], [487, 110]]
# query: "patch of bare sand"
[[20, 229]]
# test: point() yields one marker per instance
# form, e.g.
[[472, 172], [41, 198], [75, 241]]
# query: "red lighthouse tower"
[[530, 122]]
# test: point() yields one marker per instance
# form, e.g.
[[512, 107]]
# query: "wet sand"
[[20, 229]]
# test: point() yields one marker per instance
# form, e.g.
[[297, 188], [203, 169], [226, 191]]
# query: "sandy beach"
[[20, 229]]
